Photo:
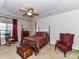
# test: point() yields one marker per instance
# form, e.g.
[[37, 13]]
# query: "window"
[[5, 28]]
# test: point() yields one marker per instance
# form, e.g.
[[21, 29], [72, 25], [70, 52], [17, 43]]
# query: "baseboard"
[[75, 48], [52, 43], [3, 43]]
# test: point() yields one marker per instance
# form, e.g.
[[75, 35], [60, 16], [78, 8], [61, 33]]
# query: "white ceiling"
[[44, 7]]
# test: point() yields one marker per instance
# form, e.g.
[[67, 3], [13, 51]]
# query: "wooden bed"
[[37, 41]]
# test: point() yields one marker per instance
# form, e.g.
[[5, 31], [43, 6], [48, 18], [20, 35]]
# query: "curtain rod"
[[6, 17], [10, 17]]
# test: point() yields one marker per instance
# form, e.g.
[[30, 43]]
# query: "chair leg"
[[55, 47], [22, 58], [71, 49], [36, 52], [64, 54]]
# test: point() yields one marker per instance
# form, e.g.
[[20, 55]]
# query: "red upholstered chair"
[[65, 42]]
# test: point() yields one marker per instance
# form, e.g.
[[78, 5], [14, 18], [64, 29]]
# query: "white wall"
[[25, 26], [67, 22], [32, 27]]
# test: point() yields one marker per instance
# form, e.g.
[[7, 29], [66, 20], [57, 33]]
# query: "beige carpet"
[[47, 52]]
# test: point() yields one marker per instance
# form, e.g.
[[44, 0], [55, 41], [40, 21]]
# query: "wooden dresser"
[[24, 34]]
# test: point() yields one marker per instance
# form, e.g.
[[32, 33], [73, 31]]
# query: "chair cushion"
[[62, 47]]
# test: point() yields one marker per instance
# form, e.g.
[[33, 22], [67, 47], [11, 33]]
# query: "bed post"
[[35, 26], [38, 28], [49, 31]]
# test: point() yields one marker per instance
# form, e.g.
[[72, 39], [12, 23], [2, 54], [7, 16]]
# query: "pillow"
[[40, 33]]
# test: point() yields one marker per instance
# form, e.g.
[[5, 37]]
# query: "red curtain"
[[15, 32]]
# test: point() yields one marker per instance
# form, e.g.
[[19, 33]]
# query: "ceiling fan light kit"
[[29, 12]]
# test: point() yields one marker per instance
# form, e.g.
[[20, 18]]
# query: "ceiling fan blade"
[[22, 10], [35, 14], [32, 16], [24, 14], [30, 10]]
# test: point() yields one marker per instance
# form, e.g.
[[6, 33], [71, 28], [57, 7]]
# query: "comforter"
[[38, 40]]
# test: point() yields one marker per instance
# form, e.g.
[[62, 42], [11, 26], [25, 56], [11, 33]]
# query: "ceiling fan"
[[30, 12]]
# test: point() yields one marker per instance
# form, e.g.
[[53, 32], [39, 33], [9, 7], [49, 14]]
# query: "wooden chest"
[[24, 52]]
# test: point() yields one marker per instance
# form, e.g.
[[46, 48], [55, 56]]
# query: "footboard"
[[37, 41], [33, 44]]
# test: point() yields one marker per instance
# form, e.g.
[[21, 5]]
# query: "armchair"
[[8, 39], [65, 42]]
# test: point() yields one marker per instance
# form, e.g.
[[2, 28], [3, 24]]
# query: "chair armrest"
[[69, 44], [59, 41]]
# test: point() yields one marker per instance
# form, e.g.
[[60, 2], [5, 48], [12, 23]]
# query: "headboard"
[[40, 31]]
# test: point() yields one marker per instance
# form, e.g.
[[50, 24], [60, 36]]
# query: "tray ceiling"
[[44, 7]]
